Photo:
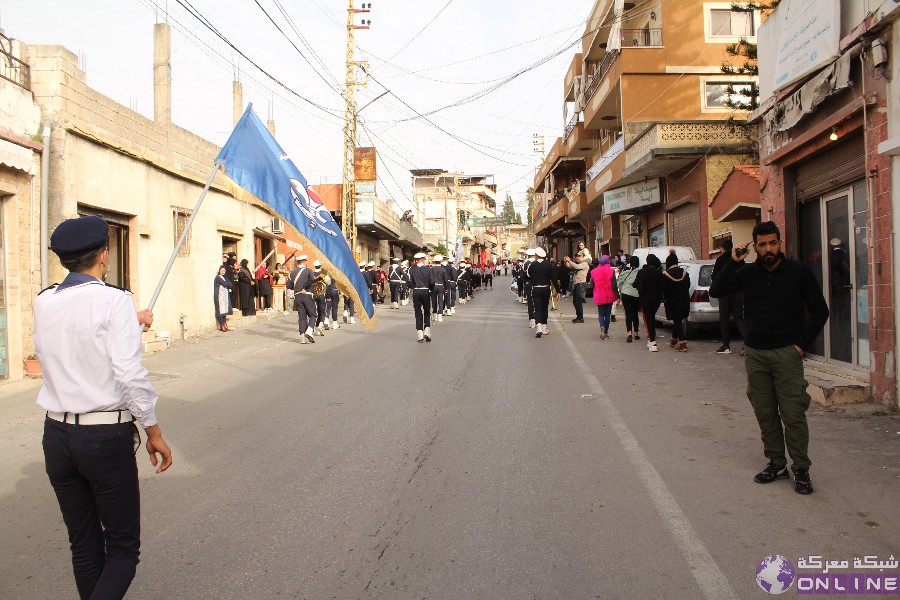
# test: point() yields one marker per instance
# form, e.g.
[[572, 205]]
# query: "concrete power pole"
[[348, 199]]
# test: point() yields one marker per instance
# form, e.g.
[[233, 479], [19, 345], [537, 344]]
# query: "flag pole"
[[184, 234]]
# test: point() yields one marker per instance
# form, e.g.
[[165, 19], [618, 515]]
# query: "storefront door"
[[834, 243]]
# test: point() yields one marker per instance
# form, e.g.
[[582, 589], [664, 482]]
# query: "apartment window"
[[180, 217], [715, 93], [434, 225], [723, 24]]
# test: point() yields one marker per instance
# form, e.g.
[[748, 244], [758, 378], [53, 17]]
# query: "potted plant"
[[32, 366]]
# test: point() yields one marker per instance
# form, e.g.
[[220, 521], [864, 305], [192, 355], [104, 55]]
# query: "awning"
[[17, 157], [739, 197]]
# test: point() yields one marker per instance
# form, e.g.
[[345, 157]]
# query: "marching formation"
[[536, 282], [435, 285]]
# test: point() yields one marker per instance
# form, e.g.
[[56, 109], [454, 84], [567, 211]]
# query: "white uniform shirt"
[[88, 340]]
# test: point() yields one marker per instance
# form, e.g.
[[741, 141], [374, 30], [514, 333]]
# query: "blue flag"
[[254, 160]]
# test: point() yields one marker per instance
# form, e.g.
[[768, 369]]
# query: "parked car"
[[684, 253], [704, 310]]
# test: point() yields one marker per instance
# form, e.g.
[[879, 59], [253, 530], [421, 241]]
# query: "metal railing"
[[11, 68], [649, 38], [570, 126], [598, 75]]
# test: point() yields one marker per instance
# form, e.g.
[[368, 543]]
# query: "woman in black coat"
[[649, 284], [247, 285], [677, 292]]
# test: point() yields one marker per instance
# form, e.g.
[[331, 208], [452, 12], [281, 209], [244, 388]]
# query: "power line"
[[406, 45]]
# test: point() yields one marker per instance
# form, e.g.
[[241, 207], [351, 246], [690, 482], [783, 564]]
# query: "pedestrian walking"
[[605, 293], [320, 290], [300, 282], [332, 299], [785, 313], [222, 298], [526, 286], [649, 285], [440, 285], [677, 295], [247, 286], [579, 269], [371, 278], [452, 287], [396, 282], [731, 307], [88, 339], [421, 280], [543, 277], [630, 297]]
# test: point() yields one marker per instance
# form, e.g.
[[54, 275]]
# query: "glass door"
[[839, 292]]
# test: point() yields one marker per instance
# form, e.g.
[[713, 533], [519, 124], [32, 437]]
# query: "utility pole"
[[348, 198]]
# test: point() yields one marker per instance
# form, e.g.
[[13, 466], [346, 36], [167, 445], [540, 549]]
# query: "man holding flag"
[[256, 162]]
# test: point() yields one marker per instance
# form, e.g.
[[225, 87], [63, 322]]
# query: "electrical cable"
[[406, 45]]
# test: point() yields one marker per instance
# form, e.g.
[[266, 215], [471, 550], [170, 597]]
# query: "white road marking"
[[706, 572]]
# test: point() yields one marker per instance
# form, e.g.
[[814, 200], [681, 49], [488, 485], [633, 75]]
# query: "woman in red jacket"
[[605, 293]]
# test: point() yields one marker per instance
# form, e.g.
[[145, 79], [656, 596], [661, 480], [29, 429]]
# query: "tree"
[[529, 196], [509, 211], [519, 218], [744, 53], [441, 249]]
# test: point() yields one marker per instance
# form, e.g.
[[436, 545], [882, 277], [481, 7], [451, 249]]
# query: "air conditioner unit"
[[277, 225]]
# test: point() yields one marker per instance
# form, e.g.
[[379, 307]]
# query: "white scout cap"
[[541, 252], [317, 263], [419, 255], [301, 258], [404, 263], [371, 263], [530, 252], [395, 259], [362, 264], [437, 258]]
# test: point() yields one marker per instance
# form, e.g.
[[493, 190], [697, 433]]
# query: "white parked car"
[[704, 310]]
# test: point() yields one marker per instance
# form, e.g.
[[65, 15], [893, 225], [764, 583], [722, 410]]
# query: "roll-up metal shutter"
[[833, 168]]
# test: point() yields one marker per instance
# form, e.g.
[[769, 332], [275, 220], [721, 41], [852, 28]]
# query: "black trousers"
[[320, 310], [649, 311], [530, 300], [306, 311], [437, 299], [451, 295], [422, 308], [93, 471], [578, 300], [396, 291], [541, 301], [331, 304], [350, 305], [489, 280], [632, 308]]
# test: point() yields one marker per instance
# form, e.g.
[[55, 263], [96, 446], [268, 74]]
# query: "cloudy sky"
[[430, 54]]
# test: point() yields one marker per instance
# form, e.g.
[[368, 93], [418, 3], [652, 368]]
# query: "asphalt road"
[[486, 464]]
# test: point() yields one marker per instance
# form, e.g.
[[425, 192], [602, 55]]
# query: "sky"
[[429, 54]]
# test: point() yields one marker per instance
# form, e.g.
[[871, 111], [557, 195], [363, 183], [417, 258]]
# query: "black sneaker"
[[628, 339], [723, 349], [637, 337], [578, 320], [771, 473], [802, 482]]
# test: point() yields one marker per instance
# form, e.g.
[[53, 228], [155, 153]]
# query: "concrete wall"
[[107, 157]]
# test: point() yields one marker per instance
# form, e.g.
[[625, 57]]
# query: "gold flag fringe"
[[340, 279]]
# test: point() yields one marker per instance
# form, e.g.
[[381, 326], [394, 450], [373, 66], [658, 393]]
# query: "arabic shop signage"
[[487, 221], [365, 211], [631, 198]]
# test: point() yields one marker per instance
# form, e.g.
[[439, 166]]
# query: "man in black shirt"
[[777, 294], [543, 276], [421, 281]]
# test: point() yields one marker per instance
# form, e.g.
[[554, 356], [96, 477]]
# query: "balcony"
[[666, 147], [580, 142], [12, 68], [642, 38], [409, 235], [572, 74]]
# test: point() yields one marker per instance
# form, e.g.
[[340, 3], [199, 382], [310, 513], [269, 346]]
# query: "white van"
[[684, 253]]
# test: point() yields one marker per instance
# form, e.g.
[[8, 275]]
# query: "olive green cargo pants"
[[776, 388]]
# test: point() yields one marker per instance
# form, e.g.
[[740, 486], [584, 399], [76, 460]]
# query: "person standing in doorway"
[[779, 293], [88, 338], [247, 285], [222, 298], [264, 286]]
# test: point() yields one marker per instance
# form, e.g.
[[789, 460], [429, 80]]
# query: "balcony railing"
[[598, 75], [570, 126], [11, 68], [648, 38]]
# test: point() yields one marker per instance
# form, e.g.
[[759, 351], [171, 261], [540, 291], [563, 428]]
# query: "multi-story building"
[[446, 201], [829, 135], [647, 138]]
